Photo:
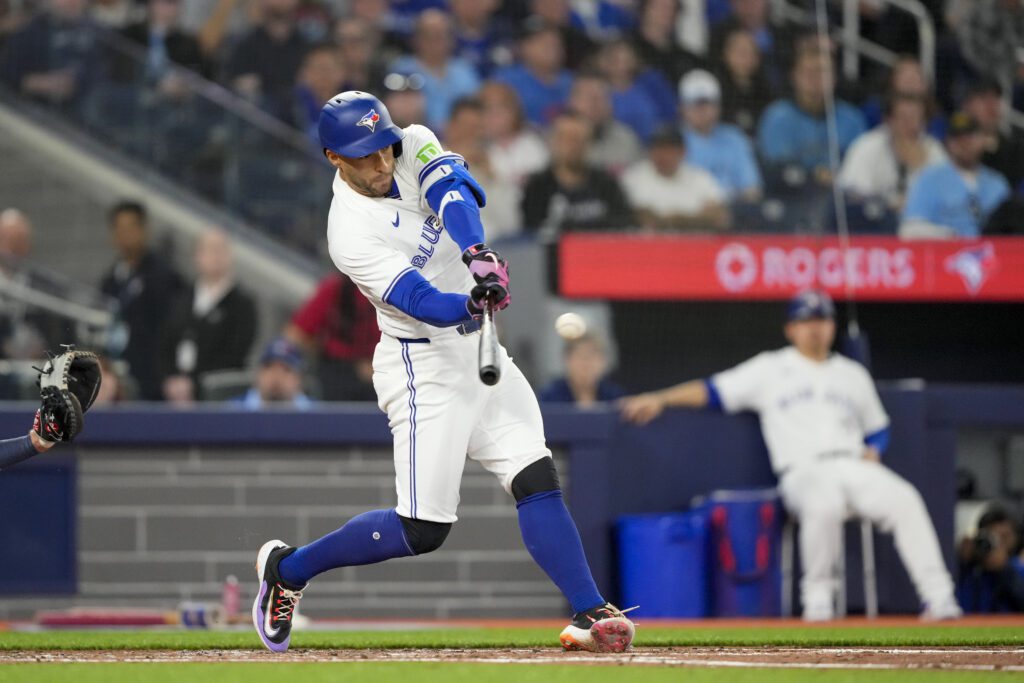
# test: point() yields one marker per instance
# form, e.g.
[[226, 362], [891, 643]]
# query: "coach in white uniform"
[[826, 431], [405, 227]]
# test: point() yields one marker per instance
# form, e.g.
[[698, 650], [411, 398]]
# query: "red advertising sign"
[[641, 267]]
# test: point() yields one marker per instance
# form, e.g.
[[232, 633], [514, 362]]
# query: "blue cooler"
[[663, 564], [746, 536]]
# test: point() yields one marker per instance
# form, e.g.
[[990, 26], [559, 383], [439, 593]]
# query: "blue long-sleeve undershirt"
[[879, 439], [13, 451], [413, 295], [461, 211], [714, 398]]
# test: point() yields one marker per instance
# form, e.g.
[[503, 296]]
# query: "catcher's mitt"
[[68, 384]]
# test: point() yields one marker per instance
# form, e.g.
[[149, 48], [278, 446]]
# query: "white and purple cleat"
[[604, 628], [276, 601]]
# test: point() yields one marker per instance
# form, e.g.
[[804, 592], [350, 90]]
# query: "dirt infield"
[[960, 659]]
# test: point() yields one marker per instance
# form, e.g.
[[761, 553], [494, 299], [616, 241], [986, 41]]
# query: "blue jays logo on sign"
[[369, 120], [974, 265]]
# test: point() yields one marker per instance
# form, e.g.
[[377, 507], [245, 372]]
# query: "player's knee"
[[537, 477], [423, 536]]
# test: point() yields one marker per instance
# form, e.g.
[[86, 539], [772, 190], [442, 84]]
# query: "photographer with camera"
[[992, 566]]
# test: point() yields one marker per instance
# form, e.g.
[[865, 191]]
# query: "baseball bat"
[[490, 358]]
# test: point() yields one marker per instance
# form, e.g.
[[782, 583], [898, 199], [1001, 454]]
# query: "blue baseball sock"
[[554, 543], [365, 539]]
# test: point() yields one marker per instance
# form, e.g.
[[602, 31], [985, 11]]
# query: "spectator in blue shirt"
[[540, 80], [721, 149], [793, 132], [578, 47], [446, 78], [278, 380], [602, 19], [481, 39], [585, 381], [954, 199], [641, 98]]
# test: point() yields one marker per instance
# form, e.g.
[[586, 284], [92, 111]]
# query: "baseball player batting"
[[405, 227], [826, 431]]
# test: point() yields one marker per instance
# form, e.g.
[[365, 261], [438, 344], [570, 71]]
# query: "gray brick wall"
[[161, 526]]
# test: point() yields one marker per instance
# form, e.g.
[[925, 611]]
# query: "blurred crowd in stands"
[[706, 116], [659, 115], [182, 342]]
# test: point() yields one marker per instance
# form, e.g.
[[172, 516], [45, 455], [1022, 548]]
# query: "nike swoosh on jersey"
[[395, 222]]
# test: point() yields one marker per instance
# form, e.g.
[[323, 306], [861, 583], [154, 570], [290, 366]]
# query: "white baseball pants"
[[824, 494], [440, 412]]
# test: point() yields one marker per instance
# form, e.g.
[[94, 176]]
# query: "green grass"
[[820, 636], [451, 673]]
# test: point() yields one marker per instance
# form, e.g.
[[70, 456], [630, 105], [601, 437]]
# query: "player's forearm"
[[416, 297], [692, 394], [456, 198], [463, 223], [13, 451]]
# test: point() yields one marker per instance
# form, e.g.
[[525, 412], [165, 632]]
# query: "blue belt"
[[463, 329]]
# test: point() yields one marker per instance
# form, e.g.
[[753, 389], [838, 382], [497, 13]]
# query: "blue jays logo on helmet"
[[369, 120], [355, 124]]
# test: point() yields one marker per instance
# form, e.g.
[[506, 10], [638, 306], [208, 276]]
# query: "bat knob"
[[489, 375]]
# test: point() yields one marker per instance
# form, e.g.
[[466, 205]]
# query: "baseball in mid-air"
[[570, 326]]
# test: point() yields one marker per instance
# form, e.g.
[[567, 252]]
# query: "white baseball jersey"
[[426, 377], [814, 417], [808, 410], [375, 241]]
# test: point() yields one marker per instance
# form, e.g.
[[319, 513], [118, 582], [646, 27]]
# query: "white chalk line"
[[249, 657], [642, 661]]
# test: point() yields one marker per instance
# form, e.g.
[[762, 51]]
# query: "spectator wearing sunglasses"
[[953, 199]]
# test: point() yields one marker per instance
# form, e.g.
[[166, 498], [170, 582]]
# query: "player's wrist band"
[[473, 251]]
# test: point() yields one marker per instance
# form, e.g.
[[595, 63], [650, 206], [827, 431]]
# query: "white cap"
[[699, 86]]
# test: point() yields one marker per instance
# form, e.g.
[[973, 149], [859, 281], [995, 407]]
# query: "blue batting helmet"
[[354, 124], [809, 305]]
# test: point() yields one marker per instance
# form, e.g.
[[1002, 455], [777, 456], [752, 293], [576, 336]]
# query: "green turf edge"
[[518, 637], [400, 672]]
